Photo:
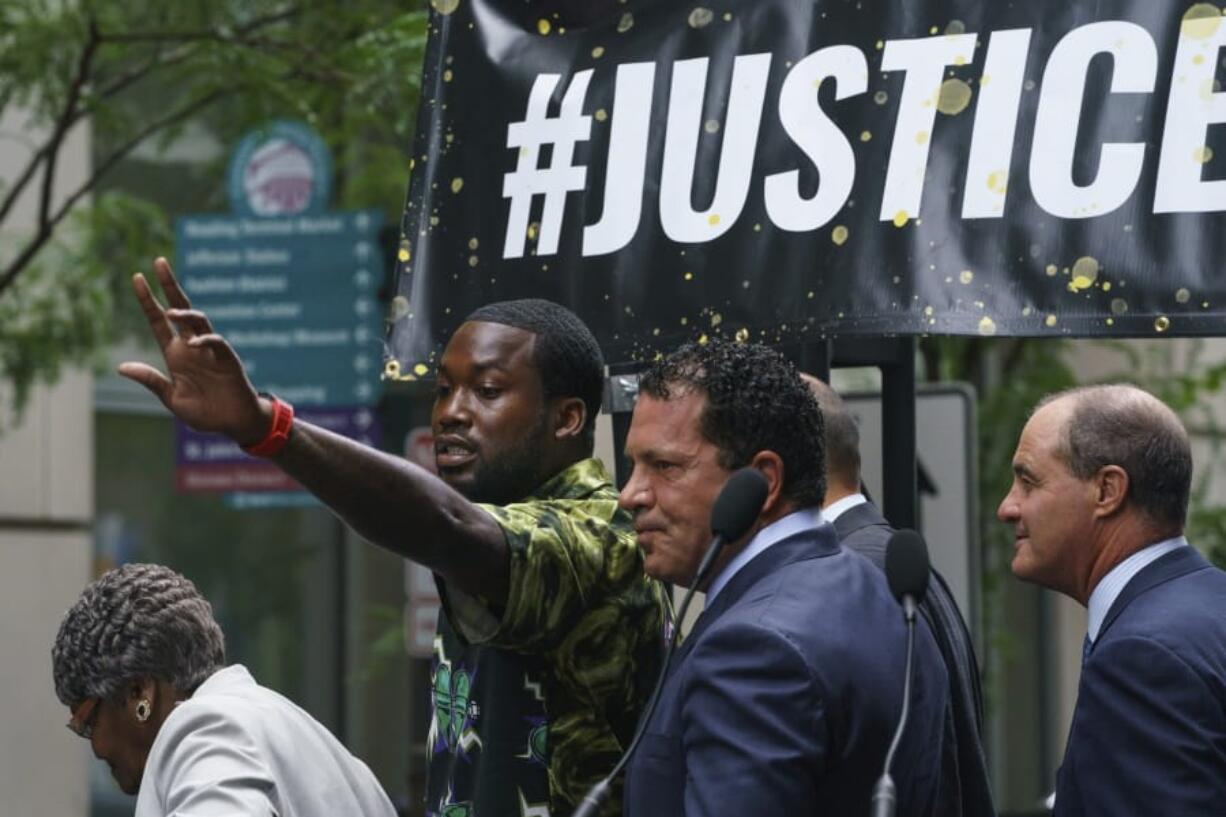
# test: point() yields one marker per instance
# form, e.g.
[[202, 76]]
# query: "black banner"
[[784, 170]]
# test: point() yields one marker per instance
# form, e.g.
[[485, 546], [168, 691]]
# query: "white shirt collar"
[[773, 533], [836, 509], [1111, 585]]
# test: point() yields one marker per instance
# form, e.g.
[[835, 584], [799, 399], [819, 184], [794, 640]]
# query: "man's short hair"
[[565, 353], [756, 401], [842, 433], [1123, 425]]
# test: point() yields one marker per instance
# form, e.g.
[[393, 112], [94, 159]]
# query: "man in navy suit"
[[785, 695], [965, 788], [1100, 491]]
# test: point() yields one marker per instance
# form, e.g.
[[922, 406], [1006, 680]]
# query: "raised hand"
[[205, 384]]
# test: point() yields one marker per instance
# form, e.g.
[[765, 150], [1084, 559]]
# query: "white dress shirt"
[[839, 507], [235, 747]]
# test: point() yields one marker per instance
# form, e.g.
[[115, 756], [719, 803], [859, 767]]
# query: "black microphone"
[[906, 570], [735, 510]]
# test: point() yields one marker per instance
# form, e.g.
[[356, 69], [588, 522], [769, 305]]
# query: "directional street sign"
[[297, 297]]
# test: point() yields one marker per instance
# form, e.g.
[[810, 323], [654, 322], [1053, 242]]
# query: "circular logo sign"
[[280, 170]]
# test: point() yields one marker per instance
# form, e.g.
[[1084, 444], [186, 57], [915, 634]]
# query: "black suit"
[[965, 789]]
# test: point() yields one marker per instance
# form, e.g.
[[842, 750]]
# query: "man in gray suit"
[[859, 525]]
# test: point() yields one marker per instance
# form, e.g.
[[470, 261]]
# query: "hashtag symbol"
[[562, 176]]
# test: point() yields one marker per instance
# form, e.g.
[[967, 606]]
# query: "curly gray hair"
[[134, 622]]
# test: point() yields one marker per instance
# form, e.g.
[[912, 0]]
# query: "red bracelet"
[[278, 435]]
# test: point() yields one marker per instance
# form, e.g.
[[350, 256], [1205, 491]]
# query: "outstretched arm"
[[385, 499]]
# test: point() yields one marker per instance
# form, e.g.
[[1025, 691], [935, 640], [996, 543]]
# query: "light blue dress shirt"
[[1111, 585], [773, 533]]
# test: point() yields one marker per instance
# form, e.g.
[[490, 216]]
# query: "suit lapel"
[[1178, 562], [810, 544]]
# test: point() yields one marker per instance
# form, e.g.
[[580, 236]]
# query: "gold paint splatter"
[[727, 17], [901, 218], [711, 126], [445, 6], [742, 335], [1201, 21], [881, 97], [702, 339], [689, 276], [1203, 154], [984, 80], [473, 243], [473, 261], [1182, 295], [1085, 273], [700, 17], [713, 219], [955, 27], [447, 75], [543, 27], [533, 229], [457, 184], [405, 252], [953, 97], [810, 295], [1026, 311], [928, 310], [839, 235], [959, 60], [998, 181], [1162, 323], [1051, 270], [684, 321], [880, 44], [716, 319], [987, 326], [421, 370], [933, 30], [1119, 306], [598, 52], [1050, 320], [601, 114], [921, 138], [1028, 85], [865, 135], [1199, 59], [400, 307], [391, 369], [625, 23], [433, 221], [757, 228], [966, 276]]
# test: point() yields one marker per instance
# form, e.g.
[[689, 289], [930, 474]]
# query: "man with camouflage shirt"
[[550, 635]]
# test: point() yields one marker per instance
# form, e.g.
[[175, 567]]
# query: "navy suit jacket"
[[1149, 729], [965, 788], [784, 697]]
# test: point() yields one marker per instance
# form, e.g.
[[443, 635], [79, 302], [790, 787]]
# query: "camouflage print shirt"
[[534, 703]]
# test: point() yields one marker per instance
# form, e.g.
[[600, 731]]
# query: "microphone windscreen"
[[738, 504], [906, 565]]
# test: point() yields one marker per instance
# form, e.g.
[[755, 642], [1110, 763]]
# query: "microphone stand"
[[885, 796], [598, 794]]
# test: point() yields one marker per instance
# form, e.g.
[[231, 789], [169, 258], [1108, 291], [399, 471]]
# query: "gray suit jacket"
[[965, 789]]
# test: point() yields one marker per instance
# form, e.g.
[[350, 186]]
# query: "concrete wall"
[[46, 511]]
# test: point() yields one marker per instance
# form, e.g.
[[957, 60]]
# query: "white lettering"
[[819, 138], [1055, 128]]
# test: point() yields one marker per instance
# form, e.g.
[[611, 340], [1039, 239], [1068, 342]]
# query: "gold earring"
[[143, 710]]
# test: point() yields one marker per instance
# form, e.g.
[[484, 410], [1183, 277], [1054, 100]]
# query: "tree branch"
[[40, 238]]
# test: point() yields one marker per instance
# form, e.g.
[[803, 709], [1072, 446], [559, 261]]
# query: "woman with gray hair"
[[140, 663]]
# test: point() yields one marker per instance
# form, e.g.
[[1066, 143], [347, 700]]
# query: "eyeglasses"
[[82, 721]]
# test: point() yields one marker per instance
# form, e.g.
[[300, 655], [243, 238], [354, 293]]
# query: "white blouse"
[[236, 748]]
